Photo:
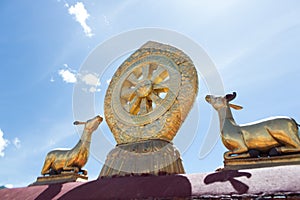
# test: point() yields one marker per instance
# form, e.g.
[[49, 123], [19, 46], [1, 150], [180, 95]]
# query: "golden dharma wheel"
[[150, 94]]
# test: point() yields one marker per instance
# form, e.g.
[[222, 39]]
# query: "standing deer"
[[74, 159], [274, 136]]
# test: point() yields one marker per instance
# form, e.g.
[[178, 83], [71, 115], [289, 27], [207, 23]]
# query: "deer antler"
[[230, 97]]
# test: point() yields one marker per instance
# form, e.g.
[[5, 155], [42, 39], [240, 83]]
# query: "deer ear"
[[236, 107], [77, 123]]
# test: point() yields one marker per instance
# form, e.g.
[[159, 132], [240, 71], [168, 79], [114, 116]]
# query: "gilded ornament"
[[60, 160], [268, 142], [150, 94]]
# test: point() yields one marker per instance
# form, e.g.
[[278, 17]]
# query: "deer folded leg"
[[285, 137], [74, 169], [290, 142], [288, 149], [243, 153]]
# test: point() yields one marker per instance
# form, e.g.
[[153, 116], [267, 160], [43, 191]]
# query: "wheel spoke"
[[162, 87], [144, 106], [127, 94], [149, 103], [132, 79], [126, 107], [155, 98], [145, 72], [134, 105], [159, 75], [152, 67]]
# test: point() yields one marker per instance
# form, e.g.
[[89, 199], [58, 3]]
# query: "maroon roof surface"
[[280, 181]]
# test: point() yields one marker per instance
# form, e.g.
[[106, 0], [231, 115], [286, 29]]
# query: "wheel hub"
[[144, 88]]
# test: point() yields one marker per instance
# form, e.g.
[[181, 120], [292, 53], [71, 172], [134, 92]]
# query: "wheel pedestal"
[[151, 157]]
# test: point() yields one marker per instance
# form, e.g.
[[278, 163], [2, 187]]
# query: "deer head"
[[92, 124], [222, 102]]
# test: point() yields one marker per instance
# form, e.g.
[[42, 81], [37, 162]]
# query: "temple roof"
[[271, 182]]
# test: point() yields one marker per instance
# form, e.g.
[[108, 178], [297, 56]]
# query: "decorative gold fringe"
[[154, 157]]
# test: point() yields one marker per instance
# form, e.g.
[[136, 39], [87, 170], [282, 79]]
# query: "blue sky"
[[254, 45]]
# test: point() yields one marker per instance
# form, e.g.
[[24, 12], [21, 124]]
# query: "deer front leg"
[[45, 172], [46, 167]]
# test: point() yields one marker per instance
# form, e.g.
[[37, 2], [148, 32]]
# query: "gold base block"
[[153, 157], [250, 163], [60, 178]]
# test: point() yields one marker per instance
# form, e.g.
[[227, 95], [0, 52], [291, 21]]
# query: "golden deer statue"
[[73, 160], [272, 136]]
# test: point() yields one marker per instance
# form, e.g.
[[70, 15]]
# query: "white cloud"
[[8, 185], [94, 89], [81, 15], [67, 75], [90, 79], [17, 142], [3, 143], [91, 82]]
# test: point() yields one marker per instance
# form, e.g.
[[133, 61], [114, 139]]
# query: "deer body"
[[75, 158], [277, 134]]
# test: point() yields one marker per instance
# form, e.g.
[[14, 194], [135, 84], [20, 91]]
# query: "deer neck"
[[226, 118], [86, 136], [85, 140]]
